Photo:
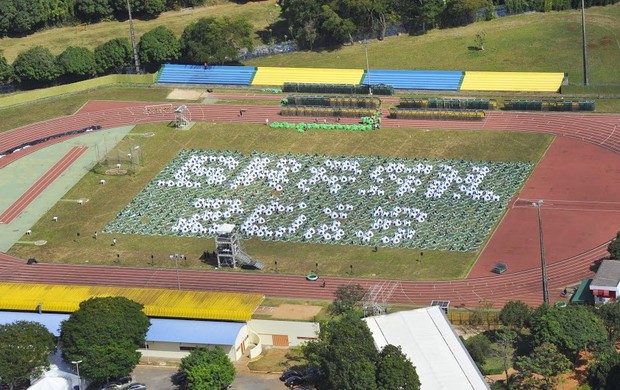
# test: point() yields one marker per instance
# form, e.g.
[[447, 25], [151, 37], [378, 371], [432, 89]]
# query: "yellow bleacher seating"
[[278, 76], [512, 81]]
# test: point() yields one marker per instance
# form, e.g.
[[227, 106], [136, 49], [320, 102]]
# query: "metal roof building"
[[427, 338]]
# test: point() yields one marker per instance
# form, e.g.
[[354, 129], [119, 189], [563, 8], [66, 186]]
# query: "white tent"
[[51, 383]]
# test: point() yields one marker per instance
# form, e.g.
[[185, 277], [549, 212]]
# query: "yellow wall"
[[279, 76], [512, 81]]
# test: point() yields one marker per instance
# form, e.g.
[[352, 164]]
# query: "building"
[[606, 283], [427, 338]]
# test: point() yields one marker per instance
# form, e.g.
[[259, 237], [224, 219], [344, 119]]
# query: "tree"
[[395, 370], [35, 67], [6, 70], [540, 370], [7, 15], [614, 248], [610, 314], [479, 347], [207, 369], [504, 347], [604, 374], [572, 329], [77, 63], [344, 355], [24, 350], [480, 39], [515, 314], [461, 12], [104, 333], [158, 46], [348, 297], [93, 10], [216, 40], [113, 55]]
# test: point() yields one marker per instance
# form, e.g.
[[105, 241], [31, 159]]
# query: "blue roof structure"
[[161, 330], [213, 74], [446, 80]]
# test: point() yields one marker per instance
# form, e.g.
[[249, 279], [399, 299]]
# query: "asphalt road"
[[159, 378]]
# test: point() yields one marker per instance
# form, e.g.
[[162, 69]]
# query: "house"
[[427, 338], [606, 283]]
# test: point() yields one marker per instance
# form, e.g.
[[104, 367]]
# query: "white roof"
[[225, 228], [427, 338]]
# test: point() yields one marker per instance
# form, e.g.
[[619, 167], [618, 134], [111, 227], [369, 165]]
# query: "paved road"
[[159, 378]]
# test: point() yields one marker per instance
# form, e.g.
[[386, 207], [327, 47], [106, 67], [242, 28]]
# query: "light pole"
[[543, 264], [77, 368], [367, 67], [133, 39], [583, 36], [175, 257]]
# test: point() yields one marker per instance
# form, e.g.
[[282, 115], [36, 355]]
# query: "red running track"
[[37, 188], [596, 129]]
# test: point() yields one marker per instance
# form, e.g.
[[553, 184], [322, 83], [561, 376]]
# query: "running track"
[[598, 129], [37, 188]]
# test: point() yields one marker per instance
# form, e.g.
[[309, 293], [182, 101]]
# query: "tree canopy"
[[540, 369], [208, 369], [24, 350], [113, 54], [36, 67], [104, 333], [572, 329], [216, 40], [604, 373], [347, 297], [77, 63], [6, 70], [515, 314], [614, 247], [159, 45], [395, 370], [610, 314]]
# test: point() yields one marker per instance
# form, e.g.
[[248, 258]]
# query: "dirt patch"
[[288, 311], [571, 27], [605, 41], [116, 172], [186, 94]]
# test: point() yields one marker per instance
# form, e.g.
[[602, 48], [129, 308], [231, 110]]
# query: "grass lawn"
[[276, 360], [105, 201], [259, 13]]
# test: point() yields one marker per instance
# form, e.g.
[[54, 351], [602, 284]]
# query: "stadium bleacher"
[[213, 74], [512, 81], [415, 79], [279, 76]]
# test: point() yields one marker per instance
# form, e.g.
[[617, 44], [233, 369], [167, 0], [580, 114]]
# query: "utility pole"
[[583, 35], [133, 39]]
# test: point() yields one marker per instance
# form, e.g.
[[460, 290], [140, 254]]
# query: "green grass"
[[259, 13], [545, 42], [292, 258]]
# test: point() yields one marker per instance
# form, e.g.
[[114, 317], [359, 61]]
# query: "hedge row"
[[326, 111], [301, 127], [353, 89], [455, 104], [335, 101], [549, 105], [468, 115]]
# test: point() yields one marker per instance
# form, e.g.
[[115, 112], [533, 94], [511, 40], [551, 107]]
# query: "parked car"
[[295, 381], [136, 386], [125, 379], [111, 386], [500, 268], [289, 373]]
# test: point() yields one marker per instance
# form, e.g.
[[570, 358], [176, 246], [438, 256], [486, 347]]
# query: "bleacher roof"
[[415, 79], [157, 302], [512, 81], [274, 76], [427, 338], [161, 330]]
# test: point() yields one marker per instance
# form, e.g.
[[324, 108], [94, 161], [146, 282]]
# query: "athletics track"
[[592, 140]]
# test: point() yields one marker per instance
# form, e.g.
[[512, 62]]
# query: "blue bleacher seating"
[[415, 79], [213, 74]]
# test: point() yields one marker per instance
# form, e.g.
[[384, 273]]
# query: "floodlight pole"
[[133, 39], [367, 67], [77, 368], [543, 264], [583, 35]]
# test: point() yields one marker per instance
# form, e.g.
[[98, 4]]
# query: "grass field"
[[105, 201], [259, 13]]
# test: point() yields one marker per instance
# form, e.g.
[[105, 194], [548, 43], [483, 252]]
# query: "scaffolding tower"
[[180, 120], [229, 251], [377, 297]]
